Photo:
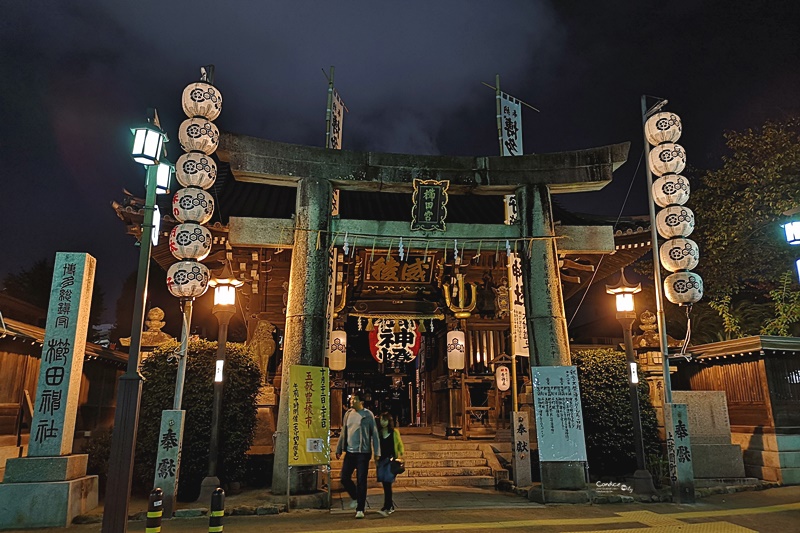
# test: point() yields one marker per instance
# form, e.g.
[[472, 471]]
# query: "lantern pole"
[[186, 307], [662, 323], [129, 395]]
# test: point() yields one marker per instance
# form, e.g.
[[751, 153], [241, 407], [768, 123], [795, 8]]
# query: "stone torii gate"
[[315, 172]]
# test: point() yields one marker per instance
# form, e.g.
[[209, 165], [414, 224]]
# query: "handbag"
[[396, 467]]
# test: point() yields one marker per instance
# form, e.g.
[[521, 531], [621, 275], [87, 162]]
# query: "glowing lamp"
[[624, 291], [337, 352], [792, 230], [456, 349], [148, 142]]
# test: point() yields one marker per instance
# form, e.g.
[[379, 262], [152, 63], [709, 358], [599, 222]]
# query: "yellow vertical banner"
[[309, 415]]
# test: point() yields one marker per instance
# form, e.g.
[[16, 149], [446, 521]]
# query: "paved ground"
[[435, 510]]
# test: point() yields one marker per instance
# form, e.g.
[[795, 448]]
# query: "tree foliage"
[[739, 208], [33, 284], [605, 398], [242, 381]]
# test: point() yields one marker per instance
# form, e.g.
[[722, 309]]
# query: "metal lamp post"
[[148, 150], [626, 314], [224, 308]]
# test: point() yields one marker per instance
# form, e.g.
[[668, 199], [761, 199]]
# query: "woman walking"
[[391, 449]]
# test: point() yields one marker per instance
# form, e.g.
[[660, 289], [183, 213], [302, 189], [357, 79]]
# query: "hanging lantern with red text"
[[394, 341]]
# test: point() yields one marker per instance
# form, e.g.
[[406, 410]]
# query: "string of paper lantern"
[[192, 206], [675, 221]]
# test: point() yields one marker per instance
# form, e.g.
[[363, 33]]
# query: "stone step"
[[430, 463], [452, 472], [441, 445], [443, 454], [460, 481]]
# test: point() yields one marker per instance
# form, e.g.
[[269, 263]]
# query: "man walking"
[[359, 440]]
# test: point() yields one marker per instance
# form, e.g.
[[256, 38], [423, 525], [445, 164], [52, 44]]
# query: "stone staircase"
[[437, 462]]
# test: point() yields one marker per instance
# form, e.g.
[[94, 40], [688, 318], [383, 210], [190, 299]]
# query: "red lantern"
[[394, 341]]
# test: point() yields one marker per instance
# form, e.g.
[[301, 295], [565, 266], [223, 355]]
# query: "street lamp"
[[147, 149], [224, 308], [626, 314]]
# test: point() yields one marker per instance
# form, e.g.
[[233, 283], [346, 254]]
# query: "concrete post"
[[306, 326], [544, 309]]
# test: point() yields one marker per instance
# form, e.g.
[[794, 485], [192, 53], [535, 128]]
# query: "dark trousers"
[[387, 496], [360, 463]]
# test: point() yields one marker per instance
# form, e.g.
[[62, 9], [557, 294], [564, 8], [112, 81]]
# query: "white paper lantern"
[[190, 241], [337, 352], [502, 377], [663, 127], [456, 350], [672, 189], [683, 288], [192, 205], [196, 170], [675, 221], [202, 99], [667, 158], [679, 254], [187, 279], [198, 135]]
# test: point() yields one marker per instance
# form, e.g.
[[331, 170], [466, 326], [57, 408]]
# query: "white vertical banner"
[[511, 124], [510, 204], [516, 296], [337, 116], [332, 264]]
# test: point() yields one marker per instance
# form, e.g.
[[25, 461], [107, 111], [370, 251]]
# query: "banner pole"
[[329, 111], [499, 112]]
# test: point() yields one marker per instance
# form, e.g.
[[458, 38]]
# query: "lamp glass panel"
[[224, 294], [634, 374], [625, 302], [162, 178], [152, 145], [138, 141], [798, 268], [792, 230], [156, 225]]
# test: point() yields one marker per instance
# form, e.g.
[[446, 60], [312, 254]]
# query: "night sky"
[[74, 76]]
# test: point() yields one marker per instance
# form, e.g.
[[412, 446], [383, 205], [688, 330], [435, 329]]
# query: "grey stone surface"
[[708, 416], [190, 513], [268, 509], [42, 469], [717, 461], [49, 504], [263, 161], [558, 496], [563, 476]]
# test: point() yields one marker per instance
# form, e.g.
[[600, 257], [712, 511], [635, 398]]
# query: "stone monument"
[[49, 487], [714, 455]]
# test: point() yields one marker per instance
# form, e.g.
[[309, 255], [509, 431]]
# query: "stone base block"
[[42, 469], [725, 482], [46, 504], [717, 461], [536, 494], [563, 476]]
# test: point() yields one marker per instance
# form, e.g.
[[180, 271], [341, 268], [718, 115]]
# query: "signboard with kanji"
[[337, 118], [679, 451], [430, 205], [414, 269], [511, 125], [510, 208], [309, 415], [168, 458], [521, 448], [559, 419], [56, 406], [516, 294]]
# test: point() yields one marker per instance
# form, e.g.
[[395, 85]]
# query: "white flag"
[[335, 128], [510, 204], [516, 296], [511, 125]]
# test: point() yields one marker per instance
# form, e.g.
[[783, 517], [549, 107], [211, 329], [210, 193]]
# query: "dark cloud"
[[75, 75]]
